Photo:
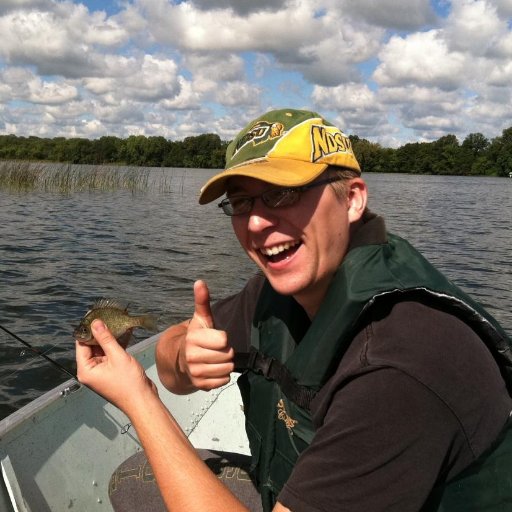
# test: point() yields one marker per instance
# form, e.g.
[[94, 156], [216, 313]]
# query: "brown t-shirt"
[[416, 398]]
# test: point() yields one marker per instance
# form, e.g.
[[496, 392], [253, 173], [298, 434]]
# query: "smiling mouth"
[[280, 252]]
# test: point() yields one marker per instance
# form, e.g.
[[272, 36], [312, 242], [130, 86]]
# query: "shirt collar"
[[371, 231]]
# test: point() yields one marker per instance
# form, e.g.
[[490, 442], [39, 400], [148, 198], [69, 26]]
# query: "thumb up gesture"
[[205, 355]]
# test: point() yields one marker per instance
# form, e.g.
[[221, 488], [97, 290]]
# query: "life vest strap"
[[272, 369]]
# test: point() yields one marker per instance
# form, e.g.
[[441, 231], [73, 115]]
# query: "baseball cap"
[[284, 147]]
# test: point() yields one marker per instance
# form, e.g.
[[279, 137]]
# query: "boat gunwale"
[[15, 419]]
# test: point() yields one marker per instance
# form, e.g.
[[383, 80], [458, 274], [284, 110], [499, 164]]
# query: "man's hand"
[[110, 371], [205, 355], [194, 355]]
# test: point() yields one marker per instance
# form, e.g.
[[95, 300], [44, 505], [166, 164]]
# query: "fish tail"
[[149, 322]]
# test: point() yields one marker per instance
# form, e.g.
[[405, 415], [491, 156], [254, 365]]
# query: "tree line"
[[476, 155], [203, 151]]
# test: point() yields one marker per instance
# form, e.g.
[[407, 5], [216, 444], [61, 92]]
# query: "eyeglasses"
[[274, 198]]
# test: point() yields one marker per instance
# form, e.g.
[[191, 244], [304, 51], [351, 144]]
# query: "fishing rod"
[[39, 353], [124, 429]]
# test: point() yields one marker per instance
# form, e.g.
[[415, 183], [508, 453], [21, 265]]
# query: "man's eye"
[[240, 203], [276, 198]]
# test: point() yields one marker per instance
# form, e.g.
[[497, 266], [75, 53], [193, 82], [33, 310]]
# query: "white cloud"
[[357, 107], [156, 79], [69, 112], [93, 129], [474, 27], [385, 70], [21, 84], [126, 111], [504, 7], [501, 75], [12, 5], [238, 94], [217, 67], [241, 7], [332, 60], [410, 15], [432, 126], [61, 41], [489, 114], [351, 96], [50, 93], [151, 79], [422, 58], [414, 94], [193, 29], [321, 47], [187, 99]]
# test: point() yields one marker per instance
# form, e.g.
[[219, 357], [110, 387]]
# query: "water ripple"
[[58, 253]]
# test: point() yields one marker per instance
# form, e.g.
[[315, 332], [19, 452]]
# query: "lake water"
[[60, 252]]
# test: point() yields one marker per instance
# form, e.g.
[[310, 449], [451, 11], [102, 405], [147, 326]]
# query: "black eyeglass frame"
[[225, 204]]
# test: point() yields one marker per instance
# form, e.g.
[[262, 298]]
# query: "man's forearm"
[[186, 483], [167, 354]]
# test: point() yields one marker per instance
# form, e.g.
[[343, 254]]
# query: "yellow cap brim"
[[283, 172]]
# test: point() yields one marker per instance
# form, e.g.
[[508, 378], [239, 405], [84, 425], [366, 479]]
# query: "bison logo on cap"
[[261, 132]]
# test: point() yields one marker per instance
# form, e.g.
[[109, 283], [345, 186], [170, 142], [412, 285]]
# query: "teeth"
[[273, 251]]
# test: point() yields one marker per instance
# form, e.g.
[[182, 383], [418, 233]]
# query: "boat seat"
[[133, 488]]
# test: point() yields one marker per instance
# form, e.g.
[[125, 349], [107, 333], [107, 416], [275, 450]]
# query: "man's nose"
[[261, 217]]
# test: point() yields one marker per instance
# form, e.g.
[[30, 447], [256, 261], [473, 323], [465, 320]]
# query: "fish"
[[116, 318]]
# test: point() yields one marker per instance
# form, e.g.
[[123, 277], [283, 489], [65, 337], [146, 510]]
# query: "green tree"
[[133, 150], [368, 154], [405, 158], [448, 158], [201, 151], [8, 146], [476, 155], [57, 152], [484, 166], [476, 143], [78, 151], [155, 151], [106, 150], [504, 153], [175, 155]]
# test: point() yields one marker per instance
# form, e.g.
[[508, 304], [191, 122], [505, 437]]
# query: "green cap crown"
[[283, 147]]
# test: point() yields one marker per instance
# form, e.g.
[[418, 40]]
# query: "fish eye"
[[80, 330]]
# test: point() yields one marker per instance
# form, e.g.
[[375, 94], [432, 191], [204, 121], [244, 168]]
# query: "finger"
[[105, 338], [202, 309], [86, 360], [83, 353], [209, 384], [212, 371], [209, 340], [210, 355]]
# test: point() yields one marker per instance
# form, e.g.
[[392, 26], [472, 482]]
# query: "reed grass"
[[22, 176]]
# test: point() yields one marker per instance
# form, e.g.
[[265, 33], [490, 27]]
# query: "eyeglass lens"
[[238, 205], [274, 198]]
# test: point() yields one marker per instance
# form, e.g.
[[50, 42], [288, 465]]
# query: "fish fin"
[[107, 303]]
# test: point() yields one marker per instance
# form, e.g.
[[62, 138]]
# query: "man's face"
[[298, 247]]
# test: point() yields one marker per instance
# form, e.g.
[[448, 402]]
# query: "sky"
[[390, 71]]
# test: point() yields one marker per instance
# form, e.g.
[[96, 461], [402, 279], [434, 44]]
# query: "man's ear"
[[357, 198]]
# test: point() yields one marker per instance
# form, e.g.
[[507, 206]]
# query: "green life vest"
[[277, 391]]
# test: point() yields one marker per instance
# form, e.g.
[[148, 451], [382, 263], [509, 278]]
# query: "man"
[[371, 382]]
